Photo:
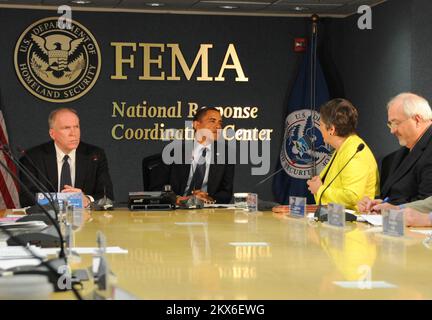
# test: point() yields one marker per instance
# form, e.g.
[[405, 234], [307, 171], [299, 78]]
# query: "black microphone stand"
[[318, 211]]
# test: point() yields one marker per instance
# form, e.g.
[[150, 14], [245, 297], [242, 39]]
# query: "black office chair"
[[155, 173]]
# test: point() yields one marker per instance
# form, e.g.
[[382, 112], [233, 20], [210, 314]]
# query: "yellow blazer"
[[359, 178]]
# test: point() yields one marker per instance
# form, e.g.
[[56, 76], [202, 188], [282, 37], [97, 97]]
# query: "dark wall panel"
[[264, 46], [375, 65]]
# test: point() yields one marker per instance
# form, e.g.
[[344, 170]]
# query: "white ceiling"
[[341, 8]]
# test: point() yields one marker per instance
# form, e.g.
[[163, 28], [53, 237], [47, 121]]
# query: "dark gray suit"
[[91, 171], [220, 179]]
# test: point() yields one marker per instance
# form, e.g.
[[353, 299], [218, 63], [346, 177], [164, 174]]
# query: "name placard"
[[252, 202], [297, 206], [73, 199], [336, 215], [393, 223]]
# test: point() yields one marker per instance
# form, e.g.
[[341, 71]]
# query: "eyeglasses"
[[394, 125]]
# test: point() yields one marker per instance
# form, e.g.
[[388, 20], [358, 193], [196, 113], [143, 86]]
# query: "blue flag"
[[302, 142]]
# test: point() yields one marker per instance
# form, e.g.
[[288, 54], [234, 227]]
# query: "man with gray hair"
[[66, 164], [406, 175]]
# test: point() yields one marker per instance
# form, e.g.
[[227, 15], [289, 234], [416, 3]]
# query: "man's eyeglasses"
[[394, 125]]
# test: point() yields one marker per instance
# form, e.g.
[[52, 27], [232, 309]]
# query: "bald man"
[[69, 164]]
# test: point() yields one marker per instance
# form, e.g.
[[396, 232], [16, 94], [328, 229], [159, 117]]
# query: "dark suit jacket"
[[91, 172], [220, 178], [408, 174]]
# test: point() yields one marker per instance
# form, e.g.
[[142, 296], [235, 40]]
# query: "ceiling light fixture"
[[81, 1], [155, 4], [298, 8], [228, 7]]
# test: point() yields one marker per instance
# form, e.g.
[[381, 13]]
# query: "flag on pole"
[[9, 190], [303, 146]]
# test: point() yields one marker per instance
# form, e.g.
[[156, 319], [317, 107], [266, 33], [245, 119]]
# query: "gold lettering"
[[193, 107], [118, 109], [119, 60], [148, 61], [176, 55], [113, 131], [231, 52]]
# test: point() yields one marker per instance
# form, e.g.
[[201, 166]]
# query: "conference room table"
[[235, 254]]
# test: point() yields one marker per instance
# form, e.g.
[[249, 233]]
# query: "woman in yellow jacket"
[[338, 121]]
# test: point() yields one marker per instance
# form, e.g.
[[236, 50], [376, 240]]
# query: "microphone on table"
[[264, 205], [321, 214], [102, 204]]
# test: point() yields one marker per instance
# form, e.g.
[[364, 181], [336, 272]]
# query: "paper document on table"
[[16, 252], [38, 225], [425, 232], [373, 219], [13, 263], [88, 250]]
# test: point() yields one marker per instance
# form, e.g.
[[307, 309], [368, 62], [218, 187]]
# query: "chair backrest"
[[155, 173]]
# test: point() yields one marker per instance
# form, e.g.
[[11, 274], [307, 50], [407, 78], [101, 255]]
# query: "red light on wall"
[[299, 44]]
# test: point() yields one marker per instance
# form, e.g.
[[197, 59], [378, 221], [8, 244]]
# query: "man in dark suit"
[[210, 181], [407, 173], [68, 164]]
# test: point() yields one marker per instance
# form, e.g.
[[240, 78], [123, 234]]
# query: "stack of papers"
[[27, 225], [14, 256]]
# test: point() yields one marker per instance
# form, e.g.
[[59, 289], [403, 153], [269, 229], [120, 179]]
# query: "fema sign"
[[302, 135]]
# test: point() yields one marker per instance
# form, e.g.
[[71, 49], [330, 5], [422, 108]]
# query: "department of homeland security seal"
[[297, 154], [57, 65]]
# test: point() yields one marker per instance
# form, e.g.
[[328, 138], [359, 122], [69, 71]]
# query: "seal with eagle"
[[58, 59]]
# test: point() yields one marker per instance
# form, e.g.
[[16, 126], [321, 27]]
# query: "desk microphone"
[[102, 204], [320, 215], [264, 205]]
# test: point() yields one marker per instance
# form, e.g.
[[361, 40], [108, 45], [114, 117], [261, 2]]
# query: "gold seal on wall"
[[57, 65]]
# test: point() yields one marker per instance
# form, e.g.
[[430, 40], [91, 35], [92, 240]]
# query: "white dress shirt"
[[72, 163]]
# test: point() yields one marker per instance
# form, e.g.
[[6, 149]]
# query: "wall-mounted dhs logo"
[[300, 137], [57, 65]]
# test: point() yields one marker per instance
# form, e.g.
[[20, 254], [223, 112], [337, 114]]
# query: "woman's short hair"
[[341, 114]]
